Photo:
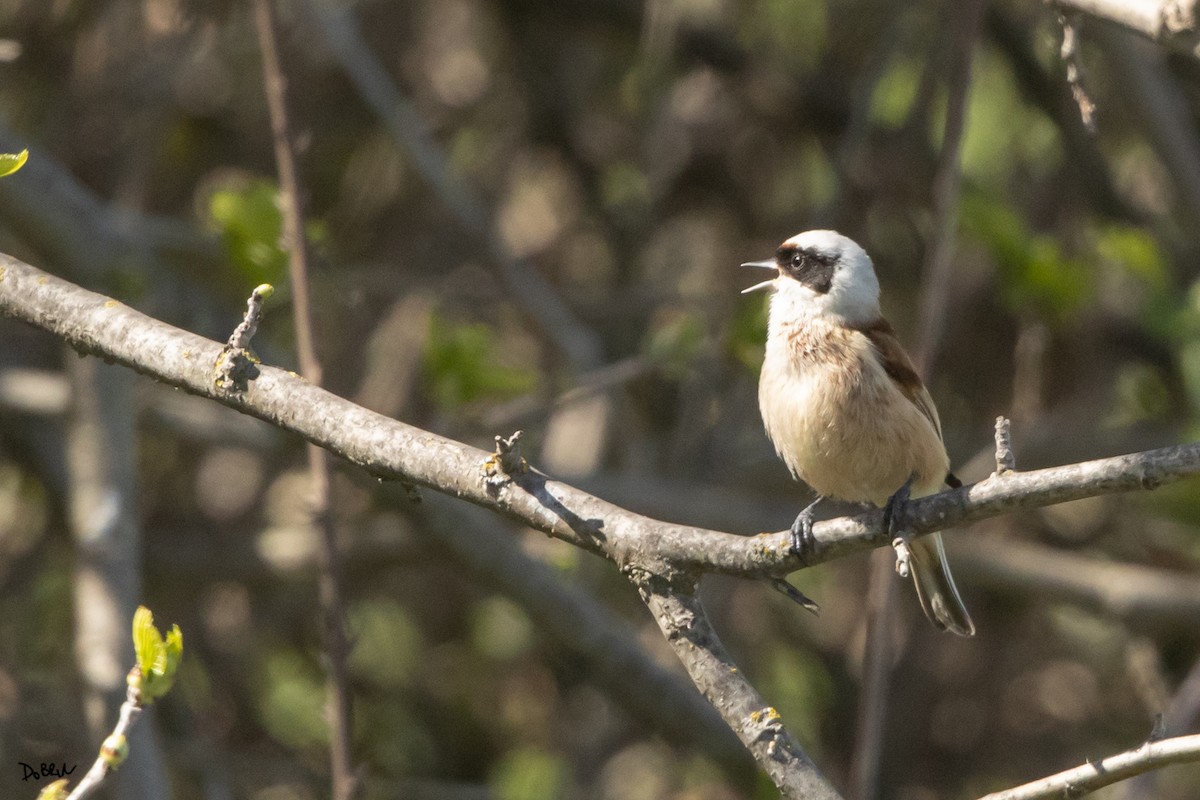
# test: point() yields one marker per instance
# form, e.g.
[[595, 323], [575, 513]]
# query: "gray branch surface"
[[683, 621], [656, 554]]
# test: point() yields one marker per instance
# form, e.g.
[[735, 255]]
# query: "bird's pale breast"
[[839, 422]]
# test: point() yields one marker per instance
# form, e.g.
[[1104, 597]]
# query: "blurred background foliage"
[[630, 155]]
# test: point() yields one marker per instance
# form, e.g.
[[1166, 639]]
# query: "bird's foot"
[[895, 518], [804, 544]]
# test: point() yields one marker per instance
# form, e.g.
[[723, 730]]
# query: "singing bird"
[[844, 406]]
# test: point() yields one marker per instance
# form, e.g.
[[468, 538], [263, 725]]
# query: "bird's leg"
[[894, 522], [803, 543]]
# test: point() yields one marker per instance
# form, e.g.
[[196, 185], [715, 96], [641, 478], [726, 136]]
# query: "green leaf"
[[174, 650], [54, 791], [11, 162], [157, 659], [147, 641]]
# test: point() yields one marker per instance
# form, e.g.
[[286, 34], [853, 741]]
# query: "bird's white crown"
[[843, 284]]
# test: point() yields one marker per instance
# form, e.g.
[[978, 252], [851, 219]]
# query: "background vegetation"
[[631, 155]]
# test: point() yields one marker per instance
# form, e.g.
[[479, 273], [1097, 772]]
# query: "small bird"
[[844, 406]]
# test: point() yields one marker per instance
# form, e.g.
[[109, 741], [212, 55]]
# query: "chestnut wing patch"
[[899, 368]]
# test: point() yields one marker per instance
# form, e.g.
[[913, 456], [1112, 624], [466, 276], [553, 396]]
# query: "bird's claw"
[[894, 512], [803, 543]]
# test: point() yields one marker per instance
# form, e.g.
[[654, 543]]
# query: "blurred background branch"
[[345, 781]]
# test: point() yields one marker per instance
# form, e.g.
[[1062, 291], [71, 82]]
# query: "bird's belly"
[[849, 437]]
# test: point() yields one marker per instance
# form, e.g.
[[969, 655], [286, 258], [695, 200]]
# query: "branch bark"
[[683, 621], [1097, 774]]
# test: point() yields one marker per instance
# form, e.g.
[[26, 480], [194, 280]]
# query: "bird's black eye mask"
[[812, 268]]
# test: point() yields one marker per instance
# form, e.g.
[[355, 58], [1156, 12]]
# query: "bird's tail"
[[935, 586]]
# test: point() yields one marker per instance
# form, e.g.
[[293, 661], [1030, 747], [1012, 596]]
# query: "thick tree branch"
[[1096, 774], [98, 325], [683, 621]]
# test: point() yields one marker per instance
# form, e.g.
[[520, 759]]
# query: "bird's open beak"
[[768, 264]]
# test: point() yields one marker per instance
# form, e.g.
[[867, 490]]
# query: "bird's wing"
[[899, 368]]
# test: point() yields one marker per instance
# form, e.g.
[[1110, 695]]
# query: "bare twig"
[[236, 365], [1005, 460], [244, 332], [344, 780], [131, 709], [1069, 53], [1096, 774], [1181, 713]]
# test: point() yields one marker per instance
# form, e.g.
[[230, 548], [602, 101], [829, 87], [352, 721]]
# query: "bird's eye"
[[797, 260]]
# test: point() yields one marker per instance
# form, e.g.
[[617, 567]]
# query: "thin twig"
[[244, 332], [1005, 460], [1097, 774], [131, 709], [344, 780], [1182, 712]]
